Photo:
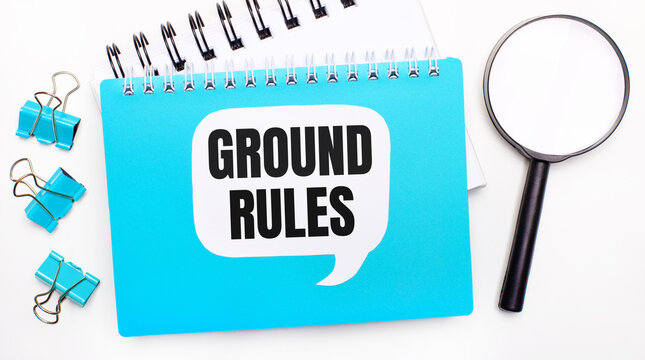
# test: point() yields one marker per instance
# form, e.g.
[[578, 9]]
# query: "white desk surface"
[[586, 296]]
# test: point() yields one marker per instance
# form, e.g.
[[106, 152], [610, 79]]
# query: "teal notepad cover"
[[372, 226]]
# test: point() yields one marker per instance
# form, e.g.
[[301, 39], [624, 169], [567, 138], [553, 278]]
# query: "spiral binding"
[[196, 23], [289, 19], [312, 78], [291, 77], [332, 75], [113, 53], [209, 84], [270, 78]]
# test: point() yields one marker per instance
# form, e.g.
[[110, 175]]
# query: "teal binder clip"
[[47, 123], [68, 279], [55, 198]]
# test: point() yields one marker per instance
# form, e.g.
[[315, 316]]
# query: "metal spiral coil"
[[168, 83], [291, 77], [197, 26], [312, 77]]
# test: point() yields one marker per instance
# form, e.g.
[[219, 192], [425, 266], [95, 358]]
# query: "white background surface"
[[587, 287]]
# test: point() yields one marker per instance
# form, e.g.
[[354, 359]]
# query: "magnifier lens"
[[556, 86]]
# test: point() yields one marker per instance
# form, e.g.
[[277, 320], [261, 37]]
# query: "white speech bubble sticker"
[[214, 197]]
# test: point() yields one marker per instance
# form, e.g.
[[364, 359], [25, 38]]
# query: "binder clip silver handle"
[[21, 180], [48, 293], [52, 96], [78, 86]]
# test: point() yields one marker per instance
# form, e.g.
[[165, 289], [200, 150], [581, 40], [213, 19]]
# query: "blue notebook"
[[313, 203]]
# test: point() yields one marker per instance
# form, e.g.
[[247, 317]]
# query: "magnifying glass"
[[555, 86]]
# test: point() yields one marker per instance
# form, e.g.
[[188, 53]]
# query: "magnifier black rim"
[[531, 154]]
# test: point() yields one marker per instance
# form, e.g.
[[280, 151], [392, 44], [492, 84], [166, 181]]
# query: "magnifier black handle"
[[528, 219]]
